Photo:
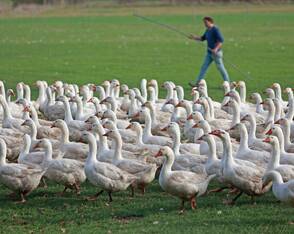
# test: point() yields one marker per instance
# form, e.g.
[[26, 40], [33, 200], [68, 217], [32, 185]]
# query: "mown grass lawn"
[[91, 45]]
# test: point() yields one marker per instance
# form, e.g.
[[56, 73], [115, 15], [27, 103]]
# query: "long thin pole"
[[171, 28], [162, 25]]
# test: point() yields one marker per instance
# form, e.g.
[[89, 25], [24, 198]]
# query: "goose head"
[[62, 99], [152, 83], [196, 116], [171, 101], [43, 143], [171, 128], [124, 88], [220, 133], [226, 86], [275, 130], [28, 122], [289, 92], [270, 93], [282, 122], [107, 99], [268, 104], [255, 97], [165, 151], [181, 103], [108, 114], [87, 137], [108, 124], [113, 134], [59, 123], [135, 126], [92, 119], [10, 93]]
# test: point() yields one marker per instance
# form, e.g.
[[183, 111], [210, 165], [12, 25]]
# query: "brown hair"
[[208, 18]]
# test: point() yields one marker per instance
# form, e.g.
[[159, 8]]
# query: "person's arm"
[[217, 47], [198, 38], [219, 39]]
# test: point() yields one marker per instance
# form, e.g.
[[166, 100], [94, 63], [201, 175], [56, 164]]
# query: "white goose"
[[67, 149], [283, 191], [148, 138], [248, 179], [183, 184], [20, 178], [67, 172], [286, 158], [285, 125], [259, 158], [144, 172], [106, 176], [286, 171]]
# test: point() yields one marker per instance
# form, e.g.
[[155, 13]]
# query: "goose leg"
[[22, 199], [110, 197], [93, 198], [232, 202], [235, 198], [217, 190], [143, 189], [77, 189], [234, 191], [193, 203], [62, 193], [132, 191], [182, 207], [43, 183]]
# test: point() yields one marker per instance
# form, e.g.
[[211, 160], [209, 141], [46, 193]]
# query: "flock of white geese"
[[118, 137]]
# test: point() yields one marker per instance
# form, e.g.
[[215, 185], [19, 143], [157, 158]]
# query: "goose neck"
[[7, 114], [236, 114], [147, 129], [2, 153], [275, 156], [118, 147], [176, 142], [243, 138], [167, 165], [252, 130], [212, 150], [68, 115], [92, 150], [64, 133]]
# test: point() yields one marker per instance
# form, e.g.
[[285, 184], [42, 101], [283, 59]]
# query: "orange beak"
[[26, 109], [227, 94], [164, 129], [159, 153], [104, 100], [137, 115], [278, 121], [269, 132], [195, 125], [90, 100], [178, 105], [128, 127], [200, 138], [227, 104], [197, 101], [267, 140], [190, 117]]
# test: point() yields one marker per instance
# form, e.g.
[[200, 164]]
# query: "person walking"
[[214, 53]]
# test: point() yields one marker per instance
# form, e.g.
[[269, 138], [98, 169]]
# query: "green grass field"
[[89, 45]]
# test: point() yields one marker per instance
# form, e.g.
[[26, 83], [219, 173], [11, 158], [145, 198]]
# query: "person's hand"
[[214, 51], [192, 37]]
